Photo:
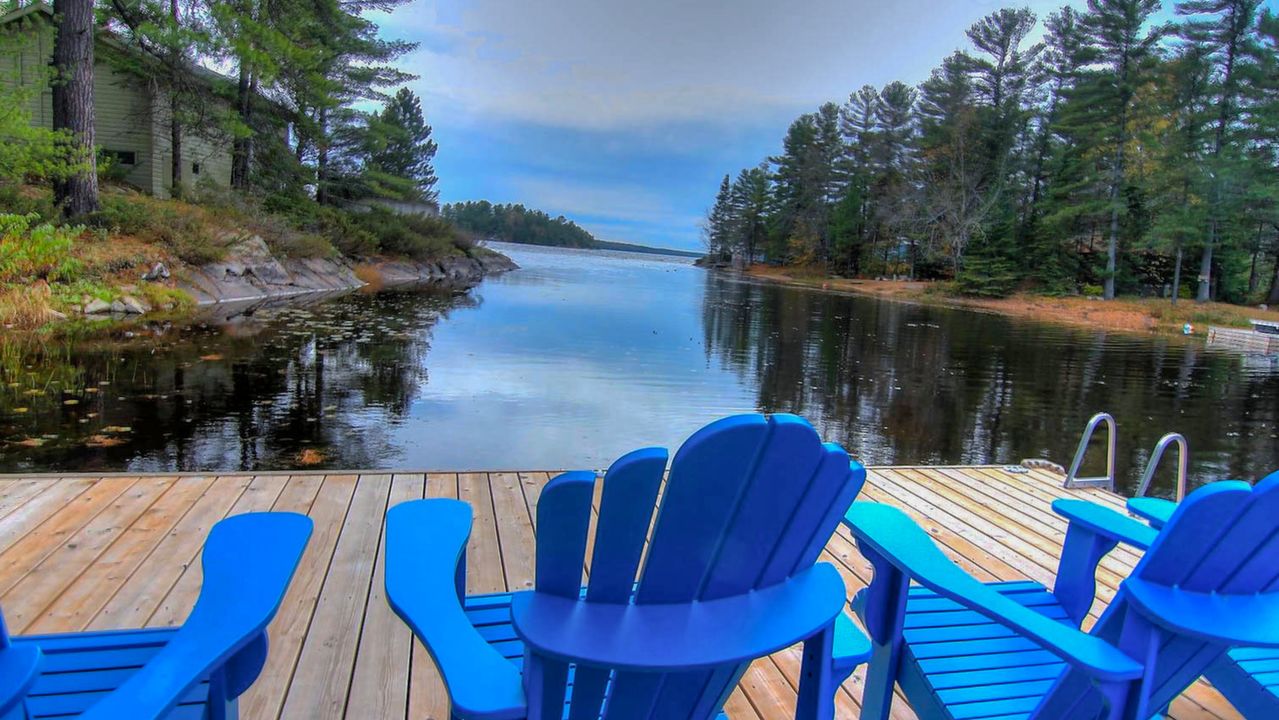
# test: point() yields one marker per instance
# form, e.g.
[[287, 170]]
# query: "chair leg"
[[883, 610], [817, 684]]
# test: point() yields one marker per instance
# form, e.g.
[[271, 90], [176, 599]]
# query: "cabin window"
[[195, 168], [121, 157]]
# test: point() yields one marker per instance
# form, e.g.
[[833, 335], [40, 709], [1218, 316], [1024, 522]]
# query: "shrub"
[[30, 252], [192, 233], [1091, 291]]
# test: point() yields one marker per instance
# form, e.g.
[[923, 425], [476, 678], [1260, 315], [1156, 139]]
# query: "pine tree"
[[401, 148], [717, 229], [1124, 48], [1225, 40]]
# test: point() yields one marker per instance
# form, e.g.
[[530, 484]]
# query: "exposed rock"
[[134, 306], [250, 273], [97, 307], [159, 271]]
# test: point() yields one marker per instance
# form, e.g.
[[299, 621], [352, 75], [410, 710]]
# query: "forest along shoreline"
[[1134, 315]]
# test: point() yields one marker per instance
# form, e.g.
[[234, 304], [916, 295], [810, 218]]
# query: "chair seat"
[[971, 666], [491, 616], [78, 669], [1249, 678]]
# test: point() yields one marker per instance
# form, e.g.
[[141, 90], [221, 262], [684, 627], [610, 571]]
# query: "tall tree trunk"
[[76, 194], [1223, 120], [322, 157], [1253, 278], [175, 127], [1112, 243], [1176, 275], [1272, 298], [242, 148]]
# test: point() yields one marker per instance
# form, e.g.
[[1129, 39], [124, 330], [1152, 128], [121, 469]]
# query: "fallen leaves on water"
[[31, 442], [102, 441], [70, 401], [211, 358], [21, 410], [117, 429], [310, 456]]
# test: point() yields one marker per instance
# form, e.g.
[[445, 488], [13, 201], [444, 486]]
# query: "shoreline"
[[1142, 316]]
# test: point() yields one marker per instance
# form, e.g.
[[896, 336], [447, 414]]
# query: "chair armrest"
[[19, 668], [668, 637], [1156, 511], [425, 546], [852, 647], [891, 534], [1251, 620], [248, 561], [1106, 522]]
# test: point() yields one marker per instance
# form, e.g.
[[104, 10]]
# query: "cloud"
[[607, 64], [620, 202]]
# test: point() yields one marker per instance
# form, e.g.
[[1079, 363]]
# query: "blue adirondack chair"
[[730, 575], [960, 648], [1247, 676], [193, 672]]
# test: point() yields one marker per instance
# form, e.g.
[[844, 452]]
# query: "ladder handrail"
[[1183, 461], [1072, 479]]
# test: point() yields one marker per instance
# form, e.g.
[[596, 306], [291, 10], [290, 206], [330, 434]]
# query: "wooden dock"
[[121, 551]]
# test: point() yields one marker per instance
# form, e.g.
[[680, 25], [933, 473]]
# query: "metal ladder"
[[1108, 480]]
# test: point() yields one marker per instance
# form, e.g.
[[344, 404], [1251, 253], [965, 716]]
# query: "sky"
[[624, 115]]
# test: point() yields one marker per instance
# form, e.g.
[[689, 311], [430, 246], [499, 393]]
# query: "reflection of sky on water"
[[571, 362]]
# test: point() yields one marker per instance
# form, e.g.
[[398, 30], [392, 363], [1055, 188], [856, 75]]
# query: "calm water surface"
[[581, 356]]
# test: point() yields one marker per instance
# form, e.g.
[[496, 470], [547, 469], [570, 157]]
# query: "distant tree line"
[[518, 224], [1117, 156]]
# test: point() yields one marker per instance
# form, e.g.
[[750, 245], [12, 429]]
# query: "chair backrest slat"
[[626, 511], [563, 519], [707, 481]]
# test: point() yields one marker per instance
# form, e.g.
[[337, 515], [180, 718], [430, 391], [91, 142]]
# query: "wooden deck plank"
[[327, 661], [151, 581], [30, 515], [87, 594], [326, 503], [380, 683], [28, 598], [484, 572], [121, 551], [15, 493], [48, 536], [515, 531]]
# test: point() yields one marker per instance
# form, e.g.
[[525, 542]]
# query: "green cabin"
[[132, 117]]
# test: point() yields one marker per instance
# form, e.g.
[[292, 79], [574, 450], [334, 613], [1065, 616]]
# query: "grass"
[[1144, 315], [104, 257]]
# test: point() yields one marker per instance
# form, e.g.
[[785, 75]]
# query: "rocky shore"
[[251, 272]]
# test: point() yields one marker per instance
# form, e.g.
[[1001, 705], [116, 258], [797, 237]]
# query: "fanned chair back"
[[1210, 581], [750, 501]]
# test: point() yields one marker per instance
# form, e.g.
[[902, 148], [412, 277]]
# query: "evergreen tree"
[[1124, 48], [717, 231], [400, 150], [1225, 40]]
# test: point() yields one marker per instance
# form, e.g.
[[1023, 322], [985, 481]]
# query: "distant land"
[[517, 224]]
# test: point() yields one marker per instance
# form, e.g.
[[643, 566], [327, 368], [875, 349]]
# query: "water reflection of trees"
[[900, 384], [318, 385]]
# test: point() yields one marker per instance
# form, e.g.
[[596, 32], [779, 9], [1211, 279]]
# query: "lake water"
[[581, 356]]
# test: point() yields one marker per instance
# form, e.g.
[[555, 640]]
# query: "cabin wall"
[[131, 119]]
